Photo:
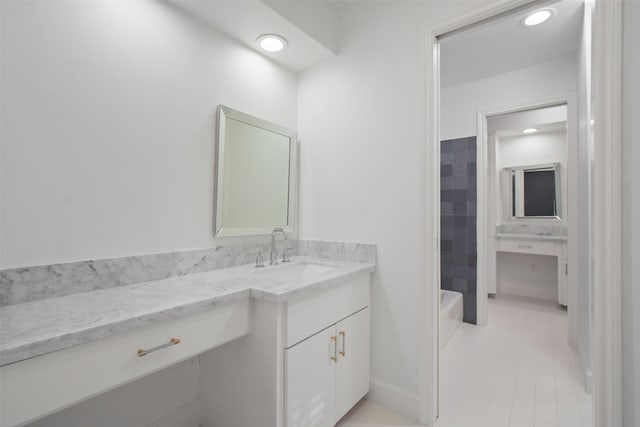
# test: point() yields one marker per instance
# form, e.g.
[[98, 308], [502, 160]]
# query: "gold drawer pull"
[[335, 349], [525, 246], [173, 341], [343, 334]]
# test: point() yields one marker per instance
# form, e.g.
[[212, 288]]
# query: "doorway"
[[525, 249], [489, 91], [530, 234]]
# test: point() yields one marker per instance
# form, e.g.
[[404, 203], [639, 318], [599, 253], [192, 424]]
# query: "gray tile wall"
[[458, 246]]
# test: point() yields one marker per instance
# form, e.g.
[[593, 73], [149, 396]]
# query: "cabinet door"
[[310, 381], [563, 272], [352, 369]]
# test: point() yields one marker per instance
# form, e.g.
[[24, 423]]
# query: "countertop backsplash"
[[533, 229], [24, 284]]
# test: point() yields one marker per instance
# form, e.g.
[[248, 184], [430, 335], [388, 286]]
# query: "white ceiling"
[[546, 119], [309, 27], [506, 45], [311, 30], [546, 128]]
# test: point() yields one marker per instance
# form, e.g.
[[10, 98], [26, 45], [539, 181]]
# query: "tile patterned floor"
[[517, 372]]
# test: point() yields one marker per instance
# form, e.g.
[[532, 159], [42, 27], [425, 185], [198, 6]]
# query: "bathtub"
[[450, 315]]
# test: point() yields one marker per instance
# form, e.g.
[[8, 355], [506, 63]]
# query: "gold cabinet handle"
[[343, 334], [335, 349], [173, 341]]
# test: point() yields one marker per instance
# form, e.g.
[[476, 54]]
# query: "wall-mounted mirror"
[[532, 192], [255, 175]]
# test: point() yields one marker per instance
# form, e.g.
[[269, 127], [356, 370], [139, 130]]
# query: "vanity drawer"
[[306, 316], [538, 247], [37, 387]]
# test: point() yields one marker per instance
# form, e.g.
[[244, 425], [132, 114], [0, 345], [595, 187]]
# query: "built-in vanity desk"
[[530, 215], [276, 343], [550, 245]]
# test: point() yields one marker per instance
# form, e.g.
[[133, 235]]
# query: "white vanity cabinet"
[[353, 365], [563, 279], [556, 248], [306, 362], [327, 349], [327, 354], [310, 382], [327, 373]]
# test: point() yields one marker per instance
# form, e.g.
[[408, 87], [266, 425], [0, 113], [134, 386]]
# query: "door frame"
[[607, 70], [486, 225], [607, 212]]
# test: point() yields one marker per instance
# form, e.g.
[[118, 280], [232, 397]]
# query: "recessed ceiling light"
[[530, 130], [538, 17], [272, 42]]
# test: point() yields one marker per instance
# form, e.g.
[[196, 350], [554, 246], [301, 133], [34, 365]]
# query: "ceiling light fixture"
[[538, 17], [530, 130], [272, 42]]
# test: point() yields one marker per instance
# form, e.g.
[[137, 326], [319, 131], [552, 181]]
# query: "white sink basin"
[[296, 271]]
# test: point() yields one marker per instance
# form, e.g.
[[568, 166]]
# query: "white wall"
[[528, 150], [107, 148], [359, 128], [630, 209], [526, 119], [108, 119], [533, 149], [319, 19], [460, 104]]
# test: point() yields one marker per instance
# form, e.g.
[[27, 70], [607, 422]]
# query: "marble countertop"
[[510, 236], [39, 327]]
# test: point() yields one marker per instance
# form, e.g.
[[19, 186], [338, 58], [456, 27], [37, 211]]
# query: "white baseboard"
[[399, 400], [588, 381], [587, 374], [187, 416]]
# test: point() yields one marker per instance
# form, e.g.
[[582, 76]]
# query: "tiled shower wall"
[[458, 246]]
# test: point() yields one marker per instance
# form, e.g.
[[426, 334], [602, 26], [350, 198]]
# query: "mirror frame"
[[225, 112], [507, 192]]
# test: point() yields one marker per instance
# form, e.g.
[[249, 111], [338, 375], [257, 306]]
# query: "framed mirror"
[[255, 175], [532, 192]]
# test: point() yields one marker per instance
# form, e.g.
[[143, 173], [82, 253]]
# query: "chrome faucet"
[[259, 260], [273, 256]]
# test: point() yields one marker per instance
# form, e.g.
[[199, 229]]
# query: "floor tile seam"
[[518, 378]]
